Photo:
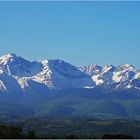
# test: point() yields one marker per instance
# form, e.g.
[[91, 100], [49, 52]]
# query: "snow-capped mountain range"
[[18, 74]]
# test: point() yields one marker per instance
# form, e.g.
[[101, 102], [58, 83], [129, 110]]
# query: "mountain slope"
[[54, 74], [60, 75], [17, 66], [115, 77]]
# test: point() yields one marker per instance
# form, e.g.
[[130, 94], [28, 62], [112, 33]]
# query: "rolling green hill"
[[98, 103]]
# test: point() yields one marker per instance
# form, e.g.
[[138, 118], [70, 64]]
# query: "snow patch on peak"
[[12, 55], [1, 72], [45, 62], [91, 69], [108, 68], [2, 86], [123, 67], [116, 77], [137, 76], [22, 82], [7, 58], [96, 79]]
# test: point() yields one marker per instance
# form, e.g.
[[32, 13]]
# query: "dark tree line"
[[12, 132]]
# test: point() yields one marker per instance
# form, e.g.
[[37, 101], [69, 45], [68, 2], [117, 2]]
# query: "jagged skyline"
[[59, 74]]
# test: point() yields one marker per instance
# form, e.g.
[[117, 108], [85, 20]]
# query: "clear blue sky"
[[78, 32]]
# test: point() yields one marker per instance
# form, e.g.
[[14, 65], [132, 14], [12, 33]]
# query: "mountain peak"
[[10, 55], [126, 66], [129, 65], [18, 66], [7, 58]]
